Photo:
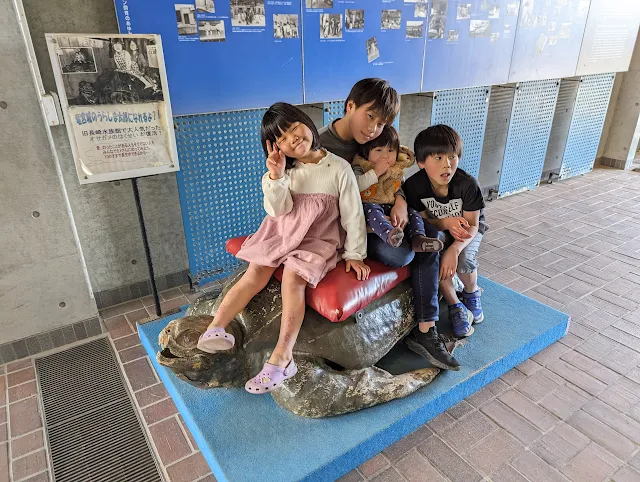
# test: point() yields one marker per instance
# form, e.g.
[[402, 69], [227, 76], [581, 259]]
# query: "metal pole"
[[145, 241]]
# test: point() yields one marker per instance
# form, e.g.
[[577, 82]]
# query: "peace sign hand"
[[276, 161]]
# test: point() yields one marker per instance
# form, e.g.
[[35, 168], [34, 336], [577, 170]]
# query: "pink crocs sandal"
[[216, 339], [270, 378]]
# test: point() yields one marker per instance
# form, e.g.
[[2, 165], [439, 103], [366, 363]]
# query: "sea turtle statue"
[[336, 361]]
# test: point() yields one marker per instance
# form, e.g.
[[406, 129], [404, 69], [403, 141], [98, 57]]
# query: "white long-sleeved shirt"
[[331, 175]]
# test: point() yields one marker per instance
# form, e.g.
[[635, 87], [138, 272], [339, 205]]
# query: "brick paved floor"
[[572, 412]]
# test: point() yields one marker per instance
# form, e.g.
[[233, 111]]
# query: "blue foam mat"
[[247, 437]]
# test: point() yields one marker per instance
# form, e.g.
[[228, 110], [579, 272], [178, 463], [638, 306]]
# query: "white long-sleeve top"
[[332, 175]]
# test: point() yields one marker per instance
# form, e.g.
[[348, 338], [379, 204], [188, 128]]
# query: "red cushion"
[[339, 295]]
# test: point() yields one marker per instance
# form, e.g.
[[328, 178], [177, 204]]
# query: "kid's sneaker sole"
[[479, 320], [470, 321]]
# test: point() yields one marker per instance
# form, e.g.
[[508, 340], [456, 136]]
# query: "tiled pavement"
[[572, 412]]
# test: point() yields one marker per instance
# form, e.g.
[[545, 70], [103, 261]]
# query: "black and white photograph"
[[354, 19], [438, 21], [285, 25], [479, 28], [77, 60], [513, 9], [391, 19], [205, 6], [453, 36], [507, 29], [211, 30], [464, 11], [420, 10], [319, 3], [372, 49], [114, 70], [186, 19], [247, 13], [541, 43], [494, 11], [551, 26], [415, 1], [553, 40], [495, 37], [415, 28], [527, 18], [330, 25], [565, 30]]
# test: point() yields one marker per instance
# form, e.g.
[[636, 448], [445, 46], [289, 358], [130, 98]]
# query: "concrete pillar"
[[621, 132]]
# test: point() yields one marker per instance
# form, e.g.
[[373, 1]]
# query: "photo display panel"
[[349, 40], [548, 40], [223, 54], [609, 37], [469, 43]]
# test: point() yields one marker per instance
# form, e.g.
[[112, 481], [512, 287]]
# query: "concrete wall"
[[105, 213], [42, 282]]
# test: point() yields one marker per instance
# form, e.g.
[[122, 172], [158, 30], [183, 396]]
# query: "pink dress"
[[306, 239], [315, 215]]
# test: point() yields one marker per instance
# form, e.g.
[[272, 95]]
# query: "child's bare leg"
[[293, 307], [237, 298], [449, 292], [470, 281]]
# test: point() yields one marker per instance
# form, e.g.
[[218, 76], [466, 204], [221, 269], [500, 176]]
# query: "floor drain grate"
[[92, 427]]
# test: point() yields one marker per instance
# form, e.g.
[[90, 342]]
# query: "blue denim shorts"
[[467, 262]]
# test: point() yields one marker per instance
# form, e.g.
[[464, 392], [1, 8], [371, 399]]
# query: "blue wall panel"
[[548, 39], [471, 44], [221, 165], [528, 137], [248, 69], [588, 118], [466, 111], [335, 59]]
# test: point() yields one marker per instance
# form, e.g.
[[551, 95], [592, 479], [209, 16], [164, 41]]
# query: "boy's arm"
[[473, 218]]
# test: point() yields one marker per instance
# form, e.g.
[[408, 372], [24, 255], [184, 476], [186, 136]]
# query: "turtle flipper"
[[320, 391]]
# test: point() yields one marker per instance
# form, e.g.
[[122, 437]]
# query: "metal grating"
[[335, 110], [587, 122], [495, 135], [91, 424], [528, 136], [466, 111], [560, 127], [221, 164]]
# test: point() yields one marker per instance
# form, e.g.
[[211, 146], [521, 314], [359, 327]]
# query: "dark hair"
[[388, 137], [386, 102], [438, 139], [278, 118]]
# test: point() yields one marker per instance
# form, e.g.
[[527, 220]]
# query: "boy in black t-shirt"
[[452, 202]]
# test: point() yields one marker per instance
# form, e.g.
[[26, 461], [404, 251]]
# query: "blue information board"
[[223, 54], [348, 40], [549, 38], [469, 43]]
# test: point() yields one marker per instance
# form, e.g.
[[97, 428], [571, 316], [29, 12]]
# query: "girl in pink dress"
[[309, 195]]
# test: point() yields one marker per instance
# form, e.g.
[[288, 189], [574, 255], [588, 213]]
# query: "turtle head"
[[179, 352]]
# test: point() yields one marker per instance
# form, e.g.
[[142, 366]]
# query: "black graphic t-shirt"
[[464, 195]]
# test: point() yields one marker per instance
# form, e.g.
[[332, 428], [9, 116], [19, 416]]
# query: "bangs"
[[280, 117], [386, 101], [438, 139]]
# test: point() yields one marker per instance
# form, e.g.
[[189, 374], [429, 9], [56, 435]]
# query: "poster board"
[[348, 40], [548, 40], [469, 43], [115, 102], [610, 36], [223, 54]]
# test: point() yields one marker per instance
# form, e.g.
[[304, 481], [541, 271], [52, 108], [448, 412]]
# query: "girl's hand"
[[276, 162], [457, 226], [381, 167], [448, 264], [361, 269]]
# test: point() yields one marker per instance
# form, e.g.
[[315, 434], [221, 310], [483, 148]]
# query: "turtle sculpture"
[[336, 361]]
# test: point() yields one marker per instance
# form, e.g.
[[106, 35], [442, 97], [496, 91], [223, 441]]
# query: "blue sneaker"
[[472, 302], [461, 319]]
